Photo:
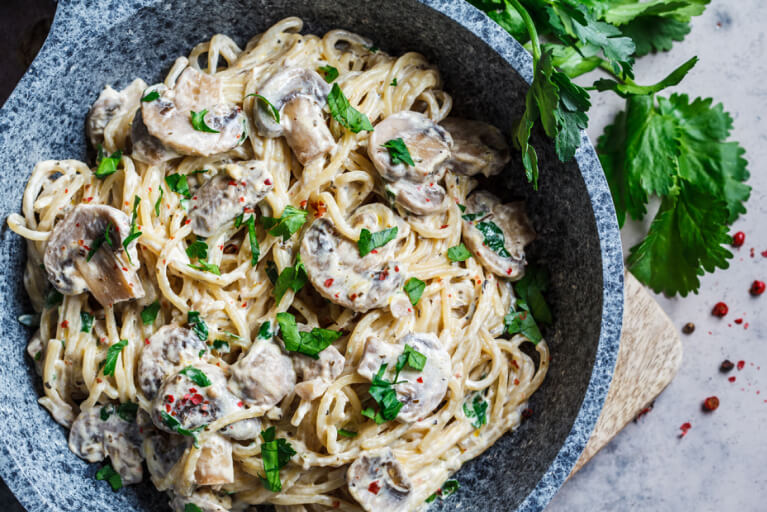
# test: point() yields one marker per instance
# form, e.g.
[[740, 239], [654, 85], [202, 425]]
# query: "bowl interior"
[[112, 43]]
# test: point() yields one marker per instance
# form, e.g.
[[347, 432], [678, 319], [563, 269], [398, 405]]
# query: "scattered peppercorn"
[[720, 309], [757, 288], [726, 366], [688, 328], [710, 404], [738, 239]]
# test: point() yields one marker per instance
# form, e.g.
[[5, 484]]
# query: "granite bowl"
[[93, 43]]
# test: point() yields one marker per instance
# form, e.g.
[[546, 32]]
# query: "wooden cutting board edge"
[[649, 357]]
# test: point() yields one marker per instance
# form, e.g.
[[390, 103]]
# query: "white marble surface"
[[721, 465]]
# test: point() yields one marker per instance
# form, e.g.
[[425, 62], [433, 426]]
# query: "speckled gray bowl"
[[109, 42]]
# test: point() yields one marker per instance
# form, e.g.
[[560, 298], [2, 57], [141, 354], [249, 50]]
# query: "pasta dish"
[[280, 281]]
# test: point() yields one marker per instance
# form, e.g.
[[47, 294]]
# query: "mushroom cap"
[[513, 223], [338, 273], [282, 88], [110, 104], [190, 403], [147, 148], [168, 118], [378, 482], [221, 198], [477, 147], [416, 188], [242, 430], [264, 376], [109, 275], [317, 374], [162, 451], [169, 349], [419, 397], [93, 438]]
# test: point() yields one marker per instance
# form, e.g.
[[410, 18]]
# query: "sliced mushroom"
[[298, 95], [190, 403], [93, 438], [169, 349], [422, 390], [317, 374], [378, 482], [223, 197], [415, 188], [109, 275], [109, 105], [162, 452], [169, 118], [337, 271], [508, 223], [215, 465], [242, 430], [204, 499], [264, 376], [145, 147], [477, 147]]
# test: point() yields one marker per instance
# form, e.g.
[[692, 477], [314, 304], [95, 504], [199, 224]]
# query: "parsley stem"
[[531, 30], [606, 66]]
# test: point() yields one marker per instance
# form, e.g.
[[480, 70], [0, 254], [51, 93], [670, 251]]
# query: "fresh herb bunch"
[[674, 148]]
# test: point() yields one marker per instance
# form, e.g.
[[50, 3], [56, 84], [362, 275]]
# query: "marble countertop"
[[719, 464]]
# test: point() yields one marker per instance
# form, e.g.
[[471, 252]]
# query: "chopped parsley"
[[198, 121], [191, 507], [293, 278], [348, 116], [267, 105], [476, 410], [179, 184], [412, 358], [394, 82], [158, 203], [127, 411], [86, 321], [222, 346], [372, 49], [265, 331], [112, 354], [198, 325], [134, 232], [458, 253], [271, 271], [99, 241], [369, 241], [107, 165], [529, 307], [414, 288], [307, 343], [255, 250], [175, 425], [330, 73], [494, 239], [448, 489], [471, 217], [197, 376], [151, 96], [149, 313], [197, 249], [204, 266], [398, 152], [275, 454], [290, 221], [111, 476], [382, 391], [346, 433], [29, 320]]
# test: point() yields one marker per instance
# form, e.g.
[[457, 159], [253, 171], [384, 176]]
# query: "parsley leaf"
[[414, 288], [458, 253], [175, 425], [476, 411], [265, 331], [398, 152], [158, 203], [107, 165], [127, 411], [308, 343], [449, 488], [494, 239], [275, 454], [112, 354], [222, 346], [149, 313], [271, 271], [151, 96], [369, 241], [255, 250], [291, 277], [204, 266], [86, 321], [197, 249], [412, 358], [348, 116], [134, 232], [383, 392], [627, 89], [289, 222], [394, 82], [198, 121], [530, 289], [197, 376], [346, 433], [330, 73], [191, 507], [267, 105], [111, 476], [198, 325]]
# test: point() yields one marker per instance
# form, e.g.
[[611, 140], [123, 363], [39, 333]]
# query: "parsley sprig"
[[289, 222], [307, 343], [529, 308], [275, 454], [369, 241], [348, 116], [106, 165]]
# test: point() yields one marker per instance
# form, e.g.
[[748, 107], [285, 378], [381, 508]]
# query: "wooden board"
[[648, 358]]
